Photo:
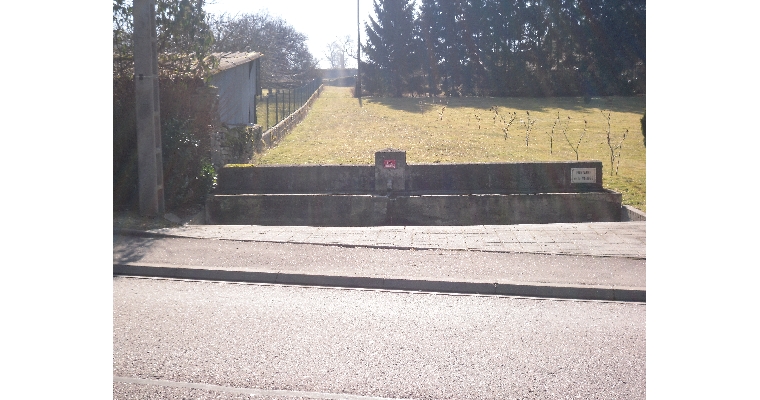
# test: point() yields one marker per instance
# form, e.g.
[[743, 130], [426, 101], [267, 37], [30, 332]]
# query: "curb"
[[542, 290]]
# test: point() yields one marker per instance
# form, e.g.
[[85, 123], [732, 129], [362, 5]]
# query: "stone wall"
[[234, 145]]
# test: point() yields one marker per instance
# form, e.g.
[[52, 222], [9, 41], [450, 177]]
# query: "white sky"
[[321, 21]]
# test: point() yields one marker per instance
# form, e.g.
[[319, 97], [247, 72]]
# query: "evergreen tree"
[[391, 47], [509, 47], [451, 47], [504, 62], [429, 28], [475, 30]]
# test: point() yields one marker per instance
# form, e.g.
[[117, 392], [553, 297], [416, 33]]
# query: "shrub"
[[187, 119], [125, 194]]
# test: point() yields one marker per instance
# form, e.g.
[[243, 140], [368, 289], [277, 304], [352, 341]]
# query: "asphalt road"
[[183, 339]]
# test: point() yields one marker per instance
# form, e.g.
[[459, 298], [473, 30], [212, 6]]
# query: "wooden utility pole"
[[150, 172]]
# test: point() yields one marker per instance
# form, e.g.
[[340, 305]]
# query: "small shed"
[[237, 80]]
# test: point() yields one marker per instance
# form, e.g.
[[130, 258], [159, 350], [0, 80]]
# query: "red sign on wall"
[[389, 163]]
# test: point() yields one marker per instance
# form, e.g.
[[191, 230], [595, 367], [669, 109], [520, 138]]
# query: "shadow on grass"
[[420, 105]]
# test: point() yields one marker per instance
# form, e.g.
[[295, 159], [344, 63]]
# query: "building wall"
[[237, 94]]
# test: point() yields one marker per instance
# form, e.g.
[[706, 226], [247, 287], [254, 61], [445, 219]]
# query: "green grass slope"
[[474, 130]]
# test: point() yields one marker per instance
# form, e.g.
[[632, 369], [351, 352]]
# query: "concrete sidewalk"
[[618, 241], [603, 239]]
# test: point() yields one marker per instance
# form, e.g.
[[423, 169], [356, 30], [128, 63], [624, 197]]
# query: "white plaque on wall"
[[582, 175]]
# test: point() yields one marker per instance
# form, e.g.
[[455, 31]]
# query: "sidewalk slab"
[[564, 278], [618, 239]]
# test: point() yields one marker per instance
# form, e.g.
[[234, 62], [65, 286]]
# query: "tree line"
[[287, 62], [506, 47], [187, 37]]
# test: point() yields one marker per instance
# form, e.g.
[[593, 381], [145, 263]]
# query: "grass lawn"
[[468, 130]]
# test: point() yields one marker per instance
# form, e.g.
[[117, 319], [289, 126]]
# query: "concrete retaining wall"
[[544, 177], [628, 213], [494, 178], [373, 210], [394, 193], [303, 179]]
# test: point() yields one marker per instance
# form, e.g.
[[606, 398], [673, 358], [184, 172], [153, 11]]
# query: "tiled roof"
[[229, 60]]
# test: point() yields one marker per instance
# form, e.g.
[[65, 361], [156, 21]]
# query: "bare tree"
[[612, 147], [287, 61], [528, 124], [577, 146], [506, 124], [338, 51]]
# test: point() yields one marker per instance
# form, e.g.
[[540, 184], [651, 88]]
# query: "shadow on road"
[[130, 249]]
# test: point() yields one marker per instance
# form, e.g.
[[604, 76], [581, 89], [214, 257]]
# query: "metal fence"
[[278, 104]]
